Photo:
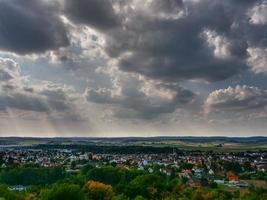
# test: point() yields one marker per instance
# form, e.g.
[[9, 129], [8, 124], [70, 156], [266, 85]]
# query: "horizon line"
[[114, 137]]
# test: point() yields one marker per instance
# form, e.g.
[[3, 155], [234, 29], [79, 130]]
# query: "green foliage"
[[248, 167], [63, 192], [112, 175], [213, 185], [186, 165], [172, 183], [86, 169], [139, 198], [120, 197], [6, 194], [31, 176], [108, 175], [149, 186], [232, 166], [114, 183], [111, 149], [255, 176], [256, 194]]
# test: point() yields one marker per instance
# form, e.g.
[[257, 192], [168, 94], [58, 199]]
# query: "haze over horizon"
[[133, 68]]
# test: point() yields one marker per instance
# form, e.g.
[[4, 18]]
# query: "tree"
[[73, 165], [86, 169], [112, 175], [63, 191], [120, 197], [139, 198], [149, 186], [98, 191], [178, 190], [31, 176], [7, 194], [232, 166], [107, 175], [247, 166], [256, 194], [184, 165]]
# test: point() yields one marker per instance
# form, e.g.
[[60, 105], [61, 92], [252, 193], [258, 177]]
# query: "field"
[[216, 144]]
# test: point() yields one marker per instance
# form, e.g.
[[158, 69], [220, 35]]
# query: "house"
[[18, 188], [233, 178], [219, 181]]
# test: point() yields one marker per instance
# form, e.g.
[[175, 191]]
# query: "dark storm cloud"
[[205, 39], [99, 14], [133, 103], [208, 40], [170, 40], [30, 26], [167, 5]]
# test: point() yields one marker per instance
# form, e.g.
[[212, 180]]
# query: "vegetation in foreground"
[[113, 183]]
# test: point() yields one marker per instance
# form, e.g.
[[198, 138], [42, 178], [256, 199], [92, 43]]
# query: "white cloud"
[[236, 99], [258, 59], [8, 69], [258, 14], [219, 44]]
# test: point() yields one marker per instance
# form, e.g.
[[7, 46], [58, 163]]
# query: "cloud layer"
[[162, 64], [184, 41], [17, 93], [30, 27], [135, 99]]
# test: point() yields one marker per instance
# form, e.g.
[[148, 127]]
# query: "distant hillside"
[[130, 140]]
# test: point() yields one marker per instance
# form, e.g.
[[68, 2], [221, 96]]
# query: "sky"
[[117, 68]]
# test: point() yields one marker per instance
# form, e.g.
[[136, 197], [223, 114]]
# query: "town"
[[196, 168]]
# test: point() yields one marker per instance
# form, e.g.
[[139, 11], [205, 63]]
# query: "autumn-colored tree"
[[98, 191], [98, 185]]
